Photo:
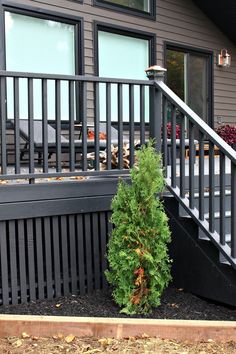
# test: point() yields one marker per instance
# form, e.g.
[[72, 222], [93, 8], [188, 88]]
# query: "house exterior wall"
[[177, 22]]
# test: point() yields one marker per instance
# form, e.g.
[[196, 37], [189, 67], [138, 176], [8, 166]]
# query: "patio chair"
[[65, 143]]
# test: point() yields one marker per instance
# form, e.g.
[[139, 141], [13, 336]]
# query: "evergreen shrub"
[[139, 265]]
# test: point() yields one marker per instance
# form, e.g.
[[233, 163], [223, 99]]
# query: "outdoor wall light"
[[224, 59]]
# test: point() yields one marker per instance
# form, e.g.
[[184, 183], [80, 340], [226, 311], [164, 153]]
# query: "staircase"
[[201, 199]]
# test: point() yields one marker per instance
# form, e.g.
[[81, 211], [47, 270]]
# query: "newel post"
[[156, 73]]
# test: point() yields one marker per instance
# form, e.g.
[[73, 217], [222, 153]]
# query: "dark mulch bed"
[[176, 304]]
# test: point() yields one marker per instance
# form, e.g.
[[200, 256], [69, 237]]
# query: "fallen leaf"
[[69, 338], [35, 338], [25, 335], [105, 341]]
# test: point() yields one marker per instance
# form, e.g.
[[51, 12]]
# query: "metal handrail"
[[193, 117], [185, 195], [82, 78]]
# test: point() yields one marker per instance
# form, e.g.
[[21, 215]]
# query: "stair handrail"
[[201, 124], [164, 98]]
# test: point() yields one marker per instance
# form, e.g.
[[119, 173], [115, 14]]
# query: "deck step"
[[183, 213], [204, 237]]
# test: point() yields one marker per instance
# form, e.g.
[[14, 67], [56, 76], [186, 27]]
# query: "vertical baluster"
[[31, 126], [3, 127], [222, 198], [201, 176], [45, 124], [16, 125], [142, 114], [72, 125], [96, 125], [131, 124], [191, 165], [164, 134], [84, 128], [108, 124], [182, 156], [173, 146], [233, 210], [211, 187], [120, 126], [58, 124]]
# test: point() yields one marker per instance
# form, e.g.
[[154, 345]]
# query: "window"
[[138, 7], [43, 46], [132, 65], [189, 76]]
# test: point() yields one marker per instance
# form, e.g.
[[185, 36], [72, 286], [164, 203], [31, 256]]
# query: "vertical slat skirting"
[[56, 256], [80, 253], [4, 263], [96, 253], [39, 259], [73, 264], [31, 260], [22, 261], [103, 242], [53, 256], [88, 253], [64, 250], [13, 261], [48, 257]]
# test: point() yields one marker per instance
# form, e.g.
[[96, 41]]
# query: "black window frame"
[[209, 54], [25, 10], [101, 26], [150, 36], [128, 10]]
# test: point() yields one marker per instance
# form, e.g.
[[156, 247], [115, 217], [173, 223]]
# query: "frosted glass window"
[[42, 46], [122, 57]]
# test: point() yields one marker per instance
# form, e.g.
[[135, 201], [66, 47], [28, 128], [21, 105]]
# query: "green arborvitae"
[[137, 250]]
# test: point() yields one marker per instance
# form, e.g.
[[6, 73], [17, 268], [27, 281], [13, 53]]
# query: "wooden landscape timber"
[[180, 330]]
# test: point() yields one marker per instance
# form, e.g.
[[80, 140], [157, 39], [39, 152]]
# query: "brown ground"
[[70, 344]]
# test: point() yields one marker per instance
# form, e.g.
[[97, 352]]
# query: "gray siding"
[[177, 21]]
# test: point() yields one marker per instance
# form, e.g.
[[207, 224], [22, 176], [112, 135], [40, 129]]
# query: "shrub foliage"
[[137, 250], [227, 133]]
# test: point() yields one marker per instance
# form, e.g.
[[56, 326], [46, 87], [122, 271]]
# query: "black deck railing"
[[71, 105], [189, 178], [30, 104]]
